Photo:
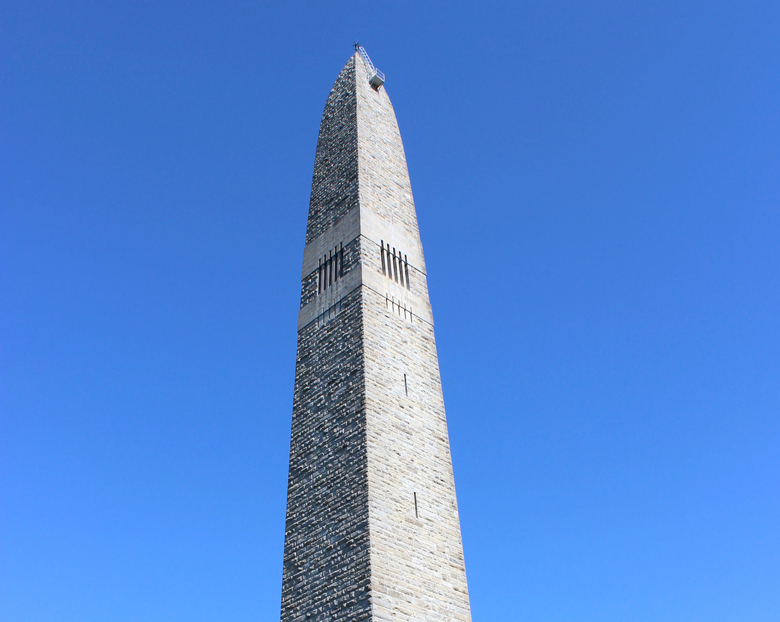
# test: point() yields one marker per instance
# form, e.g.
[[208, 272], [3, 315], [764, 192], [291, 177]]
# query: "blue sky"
[[597, 186]]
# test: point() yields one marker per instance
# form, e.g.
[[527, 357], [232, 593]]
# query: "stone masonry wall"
[[417, 565], [326, 572], [385, 189], [334, 187], [372, 528]]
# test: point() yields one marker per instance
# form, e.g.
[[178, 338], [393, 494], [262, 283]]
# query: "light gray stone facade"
[[372, 529]]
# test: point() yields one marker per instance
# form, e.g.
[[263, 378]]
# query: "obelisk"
[[372, 530]]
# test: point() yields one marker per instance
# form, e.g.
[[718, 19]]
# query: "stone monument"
[[372, 530]]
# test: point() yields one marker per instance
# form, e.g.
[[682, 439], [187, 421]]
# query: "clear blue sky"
[[598, 189]]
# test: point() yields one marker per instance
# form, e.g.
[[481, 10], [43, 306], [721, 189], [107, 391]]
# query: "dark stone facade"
[[326, 554], [334, 186]]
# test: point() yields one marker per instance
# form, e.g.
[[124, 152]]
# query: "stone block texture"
[[372, 530]]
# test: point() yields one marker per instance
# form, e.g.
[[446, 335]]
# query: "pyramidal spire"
[[372, 529]]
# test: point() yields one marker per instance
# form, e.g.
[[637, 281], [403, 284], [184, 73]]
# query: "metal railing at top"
[[375, 77]]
